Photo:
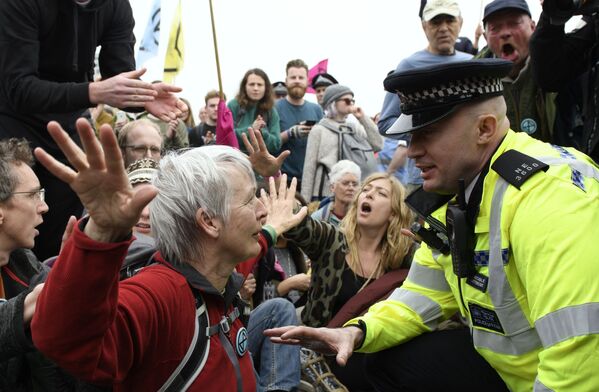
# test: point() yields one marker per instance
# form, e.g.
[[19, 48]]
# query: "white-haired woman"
[[345, 180], [325, 144]]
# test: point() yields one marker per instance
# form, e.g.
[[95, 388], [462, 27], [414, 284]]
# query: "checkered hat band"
[[447, 94]]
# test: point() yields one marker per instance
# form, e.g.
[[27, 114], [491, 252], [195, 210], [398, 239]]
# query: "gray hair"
[[13, 151], [331, 110], [342, 168], [197, 178]]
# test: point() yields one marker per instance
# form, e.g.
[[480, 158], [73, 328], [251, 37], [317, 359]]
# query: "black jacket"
[[47, 60], [558, 58]]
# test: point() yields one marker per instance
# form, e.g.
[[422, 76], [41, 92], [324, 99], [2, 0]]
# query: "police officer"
[[512, 246]]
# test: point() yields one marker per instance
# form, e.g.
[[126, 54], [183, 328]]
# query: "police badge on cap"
[[430, 94]]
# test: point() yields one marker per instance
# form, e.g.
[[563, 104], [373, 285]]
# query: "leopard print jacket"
[[326, 247]]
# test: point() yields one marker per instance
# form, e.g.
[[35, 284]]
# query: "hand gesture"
[[166, 106], [263, 162], [68, 231], [358, 112], [171, 131], [249, 287], [329, 341], [280, 205], [123, 90], [259, 123], [30, 302], [99, 179]]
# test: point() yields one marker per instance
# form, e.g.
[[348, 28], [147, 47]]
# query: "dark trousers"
[[436, 361], [62, 203]]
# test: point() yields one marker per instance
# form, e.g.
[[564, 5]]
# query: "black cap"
[[500, 5], [430, 94], [279, 88], [323, 79]]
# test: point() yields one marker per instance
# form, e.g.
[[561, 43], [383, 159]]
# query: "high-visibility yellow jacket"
[[537, 322]]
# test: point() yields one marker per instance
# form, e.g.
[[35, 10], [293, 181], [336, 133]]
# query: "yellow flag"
[[176, 48]]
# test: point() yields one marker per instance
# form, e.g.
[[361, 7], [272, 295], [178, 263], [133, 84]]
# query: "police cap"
[[432, 93]]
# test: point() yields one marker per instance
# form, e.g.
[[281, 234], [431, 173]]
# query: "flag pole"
[[220, 81], [480, 13]]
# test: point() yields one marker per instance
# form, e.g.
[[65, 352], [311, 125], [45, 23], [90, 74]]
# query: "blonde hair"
[[394, 245]]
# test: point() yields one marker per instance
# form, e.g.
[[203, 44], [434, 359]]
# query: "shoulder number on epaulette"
[[516, 167]]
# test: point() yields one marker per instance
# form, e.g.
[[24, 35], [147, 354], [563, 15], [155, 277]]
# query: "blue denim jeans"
[[278, 365]]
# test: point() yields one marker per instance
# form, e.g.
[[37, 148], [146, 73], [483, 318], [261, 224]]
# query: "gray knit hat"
[[333, 93]]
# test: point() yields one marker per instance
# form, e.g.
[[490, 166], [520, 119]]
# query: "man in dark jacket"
[[558, 59], [22, 205], [46, 73]]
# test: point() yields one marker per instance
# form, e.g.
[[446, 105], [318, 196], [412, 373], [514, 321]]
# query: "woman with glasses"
[[253, 107], [345, 181], [325, 144]]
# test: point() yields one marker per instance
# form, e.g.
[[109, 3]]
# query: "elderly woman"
[[345, 180], [133, 335], [326, 142]]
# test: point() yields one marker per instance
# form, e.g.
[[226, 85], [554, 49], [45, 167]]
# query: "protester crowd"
[[448, 243]]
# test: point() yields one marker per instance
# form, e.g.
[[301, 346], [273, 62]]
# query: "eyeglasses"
[[348, 184], [40, 194], [348, 101], [141, 150]]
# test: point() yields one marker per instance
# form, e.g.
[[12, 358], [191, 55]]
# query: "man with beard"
[[297, 117], [508, 29]]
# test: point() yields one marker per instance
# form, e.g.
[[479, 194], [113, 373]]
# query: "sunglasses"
[[348, 101]]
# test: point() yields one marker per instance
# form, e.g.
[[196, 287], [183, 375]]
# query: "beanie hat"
[[333, 93]]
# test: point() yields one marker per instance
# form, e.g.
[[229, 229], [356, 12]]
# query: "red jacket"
[[131, 334]]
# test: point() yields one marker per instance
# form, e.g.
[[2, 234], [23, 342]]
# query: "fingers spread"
[[246, 143], [93, 149], [282, 187], [113, 159], [59, 169], [282, 156], [142, 197], [71, 150]]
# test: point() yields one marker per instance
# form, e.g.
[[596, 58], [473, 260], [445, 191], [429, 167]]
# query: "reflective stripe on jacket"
[[537, 322]]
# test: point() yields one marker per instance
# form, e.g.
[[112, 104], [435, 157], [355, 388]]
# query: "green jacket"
[[529, 108], [244, 118], [537, 319]]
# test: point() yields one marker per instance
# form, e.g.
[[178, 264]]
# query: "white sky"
[[363, 40]]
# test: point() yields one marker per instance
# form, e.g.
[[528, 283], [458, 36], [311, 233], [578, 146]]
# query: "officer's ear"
[[487, 128]]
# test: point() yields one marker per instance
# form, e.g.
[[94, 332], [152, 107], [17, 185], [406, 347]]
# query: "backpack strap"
[[197, 354]]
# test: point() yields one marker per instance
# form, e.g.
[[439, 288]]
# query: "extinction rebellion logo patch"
[[241, 341]]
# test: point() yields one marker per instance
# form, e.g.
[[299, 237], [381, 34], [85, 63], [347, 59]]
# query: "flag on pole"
[[317, 69], [176, 47], [225, 133], [148, 47]]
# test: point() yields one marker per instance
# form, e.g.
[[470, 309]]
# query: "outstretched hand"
[[165, 105], [280, 205], [99, 179], [328, 341], [263, 162]]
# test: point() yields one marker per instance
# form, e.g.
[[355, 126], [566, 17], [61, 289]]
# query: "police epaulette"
[[516, 167]]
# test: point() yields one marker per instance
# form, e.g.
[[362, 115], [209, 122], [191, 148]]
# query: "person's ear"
[[210, 226], [1, 215], [487, 128]]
